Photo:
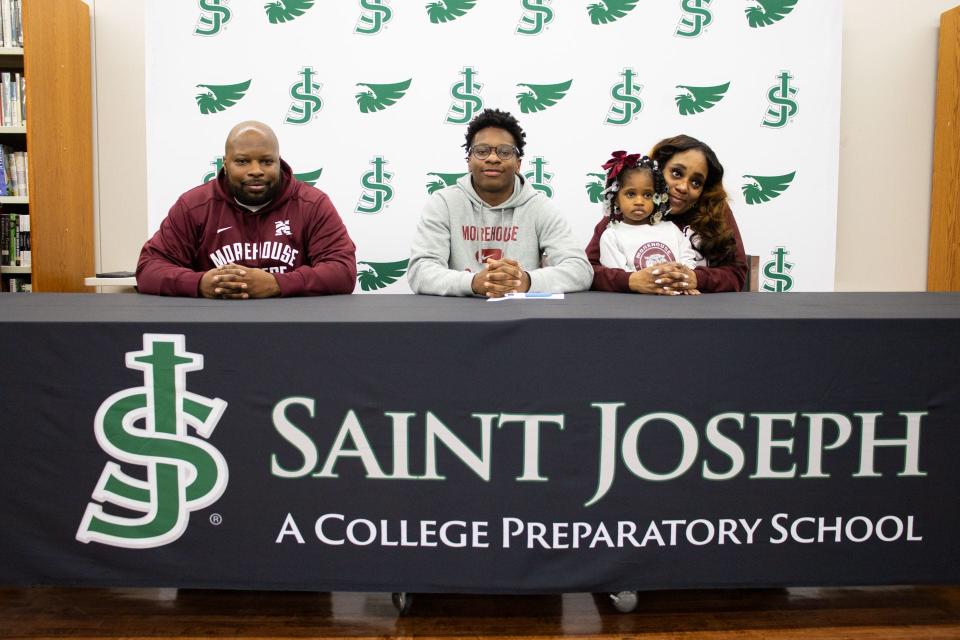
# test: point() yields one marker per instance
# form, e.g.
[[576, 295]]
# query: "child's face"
[[635, 197]]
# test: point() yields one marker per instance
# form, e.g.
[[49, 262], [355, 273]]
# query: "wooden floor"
[[877, 613]]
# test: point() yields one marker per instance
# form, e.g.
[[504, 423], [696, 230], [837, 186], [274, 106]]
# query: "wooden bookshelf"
[[943, 261], [59, 141]]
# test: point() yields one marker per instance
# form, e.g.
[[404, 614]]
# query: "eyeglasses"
[[504, 151]]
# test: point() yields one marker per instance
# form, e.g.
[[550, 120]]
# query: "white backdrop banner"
[[370, 100]]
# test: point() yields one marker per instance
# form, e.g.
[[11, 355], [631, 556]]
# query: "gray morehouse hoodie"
[[458, 231]]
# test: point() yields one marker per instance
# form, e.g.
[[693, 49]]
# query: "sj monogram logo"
[[217, 164], [782, 107], [626, 99], [539, 177], [216, 14], [306, 101], [537, 15], [776, 272], [183, 473], [466, 102], [376, 190], [696, 18], [376, 14]]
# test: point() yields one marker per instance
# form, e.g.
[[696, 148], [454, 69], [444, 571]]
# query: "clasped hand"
[[500, 277], [233, 282], [667, 279]]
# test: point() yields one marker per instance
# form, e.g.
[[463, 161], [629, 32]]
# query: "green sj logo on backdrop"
[[466, 102], [595, 187], [285, 10], [377, 275], [540, 96], [220, 96], [776, 272], [376, 192], [442, 180], [768, 12], [447, 10], [306, 101], [147, 427], [699, 99], [696, 17], [766, 188], [539, 177], [782, 107], [608, 11], [537, 14], [217, 165], [216, 14], [626, 99], [380, 96], [376, 14]]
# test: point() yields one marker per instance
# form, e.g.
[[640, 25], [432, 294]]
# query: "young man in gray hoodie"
[[492, 233]]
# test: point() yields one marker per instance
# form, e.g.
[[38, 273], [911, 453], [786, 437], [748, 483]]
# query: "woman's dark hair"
[[715, 240], [501, 120]]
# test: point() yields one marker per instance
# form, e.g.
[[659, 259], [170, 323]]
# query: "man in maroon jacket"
[[254, 232]]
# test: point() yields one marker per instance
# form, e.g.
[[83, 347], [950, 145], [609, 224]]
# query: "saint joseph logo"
[[466, 102], [215, 15], [285, 10], [696, 18], [537, 15], [218, 97], [447, 10], [626, 99], [777, 278], [539, 177], [782, 107], [376, 190], [376, 14], [608, 11], [306, 101], [183, 473]]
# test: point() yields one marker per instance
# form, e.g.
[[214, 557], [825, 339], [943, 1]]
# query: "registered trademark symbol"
[[216, 519]]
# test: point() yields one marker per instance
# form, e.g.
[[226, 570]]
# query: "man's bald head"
[[251, 129], [251, 161]]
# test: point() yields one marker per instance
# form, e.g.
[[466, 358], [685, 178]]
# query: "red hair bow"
[[618, 162]]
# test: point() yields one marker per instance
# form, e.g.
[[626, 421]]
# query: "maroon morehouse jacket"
[[299, 238], [731, 276]]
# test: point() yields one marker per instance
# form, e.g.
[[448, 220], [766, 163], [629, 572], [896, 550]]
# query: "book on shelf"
[[14, 164], [11, 24], [15, 240], [12, 90]]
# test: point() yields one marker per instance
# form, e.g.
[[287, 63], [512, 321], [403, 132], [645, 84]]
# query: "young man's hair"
[[501, 120]]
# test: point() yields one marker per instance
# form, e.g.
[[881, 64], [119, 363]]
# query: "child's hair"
[[617, 167]]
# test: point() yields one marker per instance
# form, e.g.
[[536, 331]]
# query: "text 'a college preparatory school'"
[[337, 529]]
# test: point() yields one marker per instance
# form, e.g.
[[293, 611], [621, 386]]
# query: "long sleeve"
[[331, 263], [605, 278], [611, 253], [429, 270], [566, 267], [166, 265]]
